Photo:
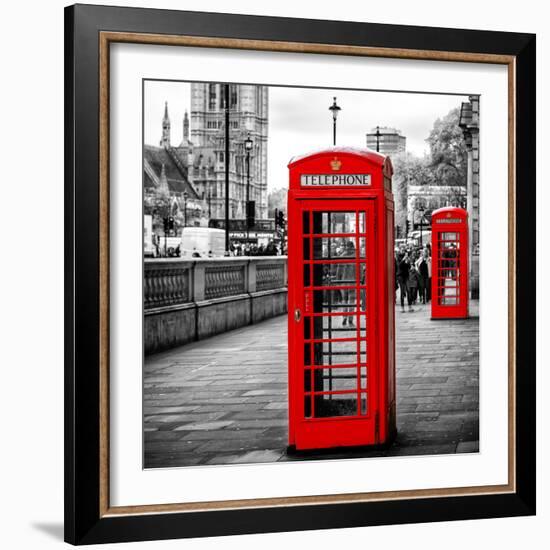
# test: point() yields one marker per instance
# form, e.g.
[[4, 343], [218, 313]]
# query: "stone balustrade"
[[187, 300]]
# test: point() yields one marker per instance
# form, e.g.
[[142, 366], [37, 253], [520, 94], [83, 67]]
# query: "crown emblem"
[[448, 214], [335, 164]]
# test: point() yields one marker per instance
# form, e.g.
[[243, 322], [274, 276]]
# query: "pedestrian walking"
[[423, 271], [403, 267], [346, 277], [413, 284], [428, 256]]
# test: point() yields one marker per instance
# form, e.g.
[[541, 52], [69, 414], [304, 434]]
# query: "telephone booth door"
[[332, 324], [449, 263]]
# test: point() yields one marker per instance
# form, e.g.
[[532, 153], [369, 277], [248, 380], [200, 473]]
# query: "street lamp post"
[[378, 134], [335, 110], [248, 147], [185, 196], [226, 108], [165, 220]]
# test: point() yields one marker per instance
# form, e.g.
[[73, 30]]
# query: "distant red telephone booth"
[[341, 299], [449, 263]]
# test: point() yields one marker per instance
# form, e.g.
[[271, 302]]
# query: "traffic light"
[[250, 214], [280, 219], [169, 224]]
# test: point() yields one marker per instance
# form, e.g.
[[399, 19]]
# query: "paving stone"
[[184, 417], [170, 410], [205, 426], [257, 456], [252, 393], [277, 406], [276, 422], [241, 445], [257, 414], [180, 446], [218, 434], [164, 436]]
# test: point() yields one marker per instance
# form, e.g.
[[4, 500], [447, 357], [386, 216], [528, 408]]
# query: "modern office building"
[[388, 141]]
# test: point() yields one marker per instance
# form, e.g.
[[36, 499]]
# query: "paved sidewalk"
[[224, 400]]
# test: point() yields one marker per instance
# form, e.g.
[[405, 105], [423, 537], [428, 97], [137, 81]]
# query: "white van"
[[203, 242], [149, 249]]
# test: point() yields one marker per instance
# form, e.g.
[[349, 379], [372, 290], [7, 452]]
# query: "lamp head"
[[248, 143], [334, 108]]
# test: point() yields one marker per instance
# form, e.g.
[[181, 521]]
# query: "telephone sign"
[[310, 180]]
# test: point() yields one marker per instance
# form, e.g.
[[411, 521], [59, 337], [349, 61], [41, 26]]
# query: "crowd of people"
[[413, 275], [252, 249]]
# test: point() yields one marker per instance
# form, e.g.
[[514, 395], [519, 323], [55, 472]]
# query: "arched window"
[[258, 100], [211, 96], [233, 96]]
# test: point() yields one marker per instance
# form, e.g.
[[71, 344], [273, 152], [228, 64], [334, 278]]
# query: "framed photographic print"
[[299, 274]]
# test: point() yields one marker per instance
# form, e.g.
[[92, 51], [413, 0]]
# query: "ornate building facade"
[[187, 180], [432, 197], [166, 185], [469, 122], [205, 150]]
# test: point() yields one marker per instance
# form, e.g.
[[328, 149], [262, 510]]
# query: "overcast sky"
[[299, 119]]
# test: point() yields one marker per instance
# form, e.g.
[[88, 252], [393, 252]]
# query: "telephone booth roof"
[[343, 160], [450, 212], [367, 154]]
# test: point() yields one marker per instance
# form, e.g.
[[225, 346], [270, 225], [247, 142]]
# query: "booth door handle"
[[297, 315]]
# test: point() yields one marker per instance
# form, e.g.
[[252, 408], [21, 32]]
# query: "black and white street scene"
[[216, 275]]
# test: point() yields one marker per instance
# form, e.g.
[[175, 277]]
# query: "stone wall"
[[188, 300]]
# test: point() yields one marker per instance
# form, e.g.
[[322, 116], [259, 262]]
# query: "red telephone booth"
[[449, 263], [341, 299]]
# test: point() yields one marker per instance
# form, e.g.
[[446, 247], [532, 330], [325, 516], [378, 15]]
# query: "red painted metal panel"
[[341, 300], [450, 252]]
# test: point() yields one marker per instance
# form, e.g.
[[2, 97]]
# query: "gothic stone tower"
[[248, 106], [165, 140]]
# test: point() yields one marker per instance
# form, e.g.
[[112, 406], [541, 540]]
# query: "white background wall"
[[31, 273]]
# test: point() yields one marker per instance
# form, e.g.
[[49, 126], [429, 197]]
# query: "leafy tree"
[[276, 200], [448, 151], [408, 170]]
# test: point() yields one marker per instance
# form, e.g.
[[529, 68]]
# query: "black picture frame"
[[86, 521]]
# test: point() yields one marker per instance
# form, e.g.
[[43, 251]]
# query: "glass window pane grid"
[[324, 248], [448, 269], [333, 314], [335, 261], [337, 287], [361, 409], [315, 356], [357, 302], [353, 377], [311, 218], [327, 340], [334, 235], [358, 312], [336, 366]]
